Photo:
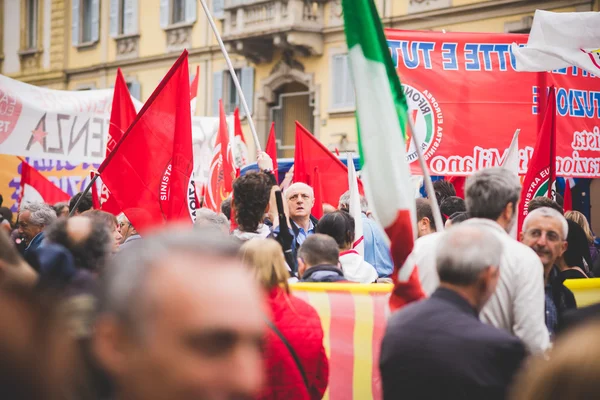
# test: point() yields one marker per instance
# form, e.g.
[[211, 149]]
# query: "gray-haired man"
[[517, 306], [180, 318], [33, 218], [438, 348]]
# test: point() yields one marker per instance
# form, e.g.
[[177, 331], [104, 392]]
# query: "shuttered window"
[[178, 11], [85, 21], [342, 90], [123, 17], [224, 88]]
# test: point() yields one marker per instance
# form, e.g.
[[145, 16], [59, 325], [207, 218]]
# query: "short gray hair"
[[122, 284], [41, 214], [489, 191], [548, 213], [345, 200], [465, 251], [206, 217], [297, 185]]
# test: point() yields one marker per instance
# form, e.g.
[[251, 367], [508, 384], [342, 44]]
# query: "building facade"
[[290, 55]]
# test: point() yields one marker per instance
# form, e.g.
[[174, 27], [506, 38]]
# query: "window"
[[342, 91], [231, 99], [123, 17], [224, 89], [31, 10], [173, 12], [85, 24], [177, 11], [134, 89]]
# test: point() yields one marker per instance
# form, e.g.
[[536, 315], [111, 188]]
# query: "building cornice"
[[40, 78], [470, 13], [205, 51]]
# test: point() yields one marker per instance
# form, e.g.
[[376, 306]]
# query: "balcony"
[[255, 28]]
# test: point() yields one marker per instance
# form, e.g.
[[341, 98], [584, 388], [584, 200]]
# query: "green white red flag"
[[382, 115]]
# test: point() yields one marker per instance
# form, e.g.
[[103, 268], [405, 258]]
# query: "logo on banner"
[[594, 56], [428, 119], [165, 191], [215, 192], [10, 110]]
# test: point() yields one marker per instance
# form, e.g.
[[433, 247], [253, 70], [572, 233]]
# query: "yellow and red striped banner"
[[354, 316]]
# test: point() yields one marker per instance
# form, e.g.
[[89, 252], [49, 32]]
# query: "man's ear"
[[565, 246], [109, 344], [301, 267]]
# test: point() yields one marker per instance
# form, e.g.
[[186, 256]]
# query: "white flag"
[[511, 162], [354, 207], [560, 40]]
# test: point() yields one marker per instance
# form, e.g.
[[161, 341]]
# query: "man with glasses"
[[128, 232], [545, 231]]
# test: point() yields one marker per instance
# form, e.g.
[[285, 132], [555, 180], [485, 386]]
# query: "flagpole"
[[435, 207], [87, 189], [233, 75]]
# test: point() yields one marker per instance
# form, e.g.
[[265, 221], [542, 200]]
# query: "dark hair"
[[424, 211], [102, 216], [84, 205], [7, 214], [89, 253], [459, 217], [451, 205], [577, 249], [339, 225], [319, 249], [443, 189], [540, 201], [226, 208], [251, 195]]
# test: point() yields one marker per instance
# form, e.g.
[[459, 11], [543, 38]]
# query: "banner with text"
[[467, 100]]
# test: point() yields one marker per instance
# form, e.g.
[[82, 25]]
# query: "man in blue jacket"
[[33, 219]]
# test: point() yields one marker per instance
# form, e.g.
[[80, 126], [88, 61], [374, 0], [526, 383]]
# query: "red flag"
[[122, 115], [35, 187], [149, 171], [541, 171], [239, 146], [311, 153], [317, 210], [271, 150], [194, 90], [568, 197], [222, 168]]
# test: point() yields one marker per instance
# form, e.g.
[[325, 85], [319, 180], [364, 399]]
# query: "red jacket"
[[300, 324]]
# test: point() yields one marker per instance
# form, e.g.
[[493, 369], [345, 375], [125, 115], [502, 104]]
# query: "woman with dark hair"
[[340, 226], [573, 263]]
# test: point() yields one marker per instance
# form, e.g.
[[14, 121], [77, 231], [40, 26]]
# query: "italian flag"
[[382, 114]]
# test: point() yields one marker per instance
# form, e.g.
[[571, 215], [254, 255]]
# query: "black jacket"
[[323, 273], [438, 349]]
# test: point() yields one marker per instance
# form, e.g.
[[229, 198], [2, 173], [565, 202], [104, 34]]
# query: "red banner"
[[467, 100]]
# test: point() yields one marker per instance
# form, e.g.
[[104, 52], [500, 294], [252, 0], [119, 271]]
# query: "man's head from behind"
[[443, 189], [301, 199], [181, 318], [468, 260], [208, 218], [317, 249], [425, 222], [33, 218], [451, 205], [13, 269], [85, 204], [545, 230], [344, 203], [543, 201], [89, 240], [251, 195], [493, 193]]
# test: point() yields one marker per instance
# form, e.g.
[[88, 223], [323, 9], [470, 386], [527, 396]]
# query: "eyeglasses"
[[551, 236]]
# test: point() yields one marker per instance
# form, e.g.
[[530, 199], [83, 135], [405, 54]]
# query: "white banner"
[[57, 124]]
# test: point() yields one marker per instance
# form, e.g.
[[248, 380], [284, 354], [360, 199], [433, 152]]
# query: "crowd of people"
[[92, 309]]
